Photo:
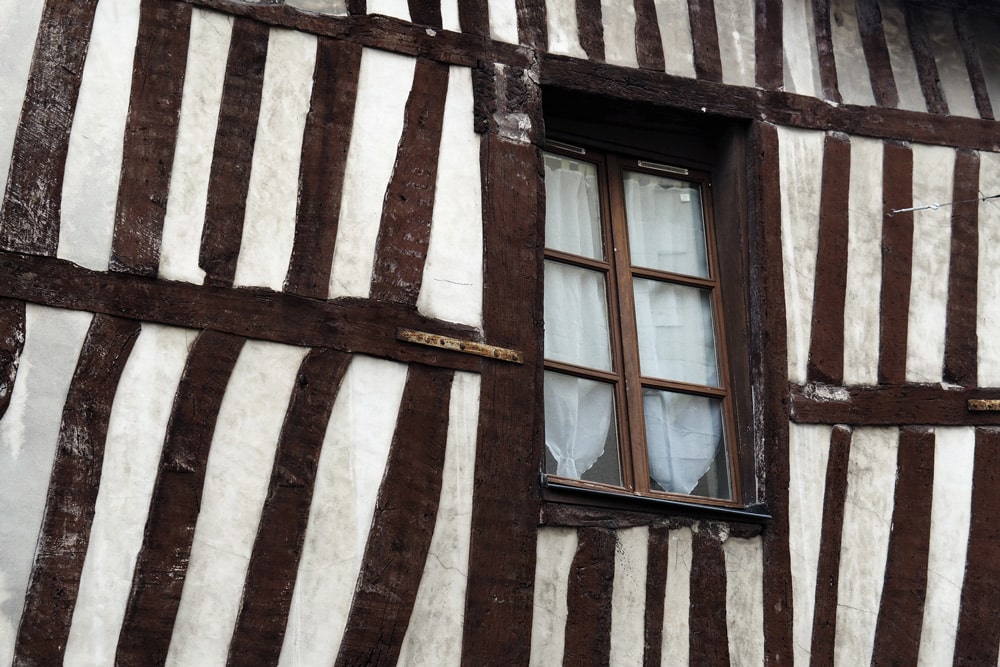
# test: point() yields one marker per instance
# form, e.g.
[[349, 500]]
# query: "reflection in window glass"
[[580, 437], [576, 316], [572, 208]]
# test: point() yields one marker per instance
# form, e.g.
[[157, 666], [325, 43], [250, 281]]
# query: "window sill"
[[569, 505]]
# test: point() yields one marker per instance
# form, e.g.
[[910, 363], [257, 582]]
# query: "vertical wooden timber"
[[590, 24], [828, 568], [506, 495], [658, 562], [229, 180], [648, 44], [901, 611], [769, 50], [923, 54], [877, 53], [826, 347], [973, 63], [768, 351], [961, 341], [474, 17], [12, 330], [161, 565], [425, 12], [591, 582], [357, 7], [321, 174], [709, 635], [150, 135], [73, 487], [405, 229], [270, 581], [824, 50], [897, 262], [978, 632], [705, 37], [29, 219], [531, 24], [407, 506]]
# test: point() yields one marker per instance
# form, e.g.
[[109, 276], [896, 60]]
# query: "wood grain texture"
[[229, 179], [403, 524], [768, 354], [591, 582], [405, 230], [892, 405], [901, 612], [591, 28], [873, 42], [12, 330], [826, 346], [161, 565], [150, 135], [357, 7], [973, 63], [769, 47], [72, 497], [531, 24], [978, 634], [658, 563], [321, 173], [474, 17], [349, 324], [897, 262], [29, 219], [708, 639], [648, 43], [824, 51], [270, 580], [705, 38], [425, 12], [824, 629], [961, 339], [923, 54]]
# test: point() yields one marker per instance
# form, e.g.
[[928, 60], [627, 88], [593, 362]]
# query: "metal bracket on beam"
[[984, 404], [459, 345]]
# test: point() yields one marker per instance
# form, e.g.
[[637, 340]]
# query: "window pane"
[[676, 335], [572, 207], [576, 316], [580, 432], [665, 226], [685, 443]]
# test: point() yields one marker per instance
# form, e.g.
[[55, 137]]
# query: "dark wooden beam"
[[891, 405]]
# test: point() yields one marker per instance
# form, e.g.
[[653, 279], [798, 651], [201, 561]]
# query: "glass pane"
[[685, 443], [666, 229], [581, 439], [572, 207], [576, 316], [676, 334]]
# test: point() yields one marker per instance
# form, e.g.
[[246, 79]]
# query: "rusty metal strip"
[[459, 345], [984, 404]]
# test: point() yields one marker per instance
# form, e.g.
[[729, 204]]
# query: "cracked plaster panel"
[[19, 22], [452, 285], [272, 195], [745, 600], [434, 634], [800, 157], [952, 70], [933, 168], [397, 8], [677, 599], [201, 99], [871, 481], [864, 263], [334, 7], [954, 453], [800, 57], [987, 35], [628, 596], [853, 77], [236, 480], [29, 431], [675, 36], [564, 34], [618, 19], [136, 431], [96, 141], [808, 454], [384, 84], [351, 465], [736, 22], [503, 20], [554, 557], [988, 308], [904, 66]]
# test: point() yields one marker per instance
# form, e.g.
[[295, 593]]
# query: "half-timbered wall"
[[223, 220]]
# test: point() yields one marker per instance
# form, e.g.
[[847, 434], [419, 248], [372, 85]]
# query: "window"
[[639, 393]]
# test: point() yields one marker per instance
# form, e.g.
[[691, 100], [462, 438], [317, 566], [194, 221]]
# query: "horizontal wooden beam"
[[352, 325], [893, 405]]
